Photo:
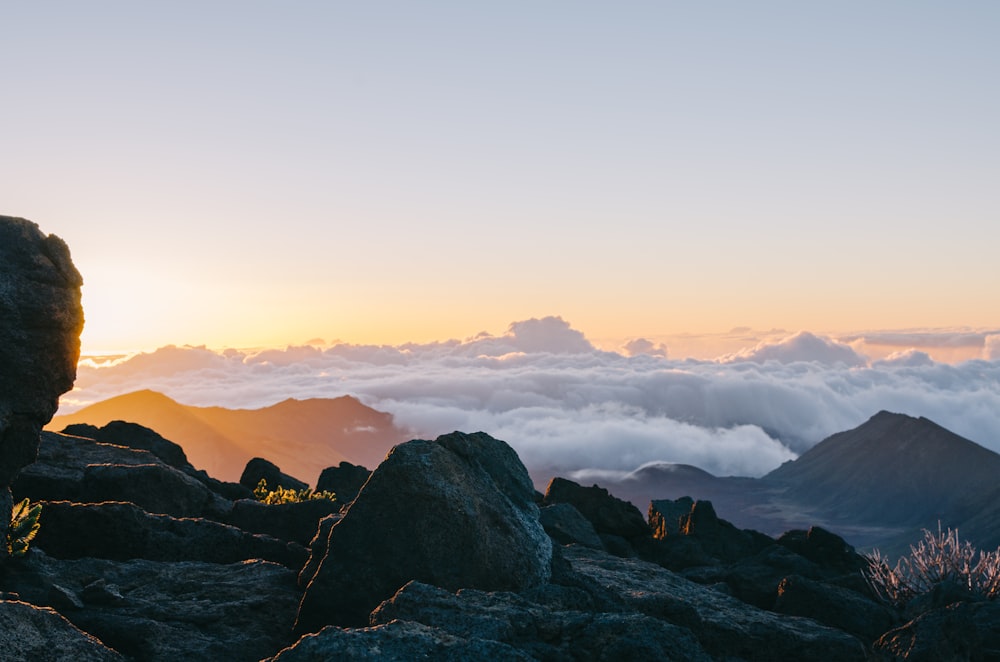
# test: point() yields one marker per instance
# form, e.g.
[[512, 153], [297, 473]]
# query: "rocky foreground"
[[444, 551]]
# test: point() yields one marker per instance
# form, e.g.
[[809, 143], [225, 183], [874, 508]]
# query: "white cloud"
[[802, 346], [642, 346], [566, 406], [991, 347]]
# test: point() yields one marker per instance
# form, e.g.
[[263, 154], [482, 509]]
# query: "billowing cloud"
[[802, 346], [566, 406], [642, 346]]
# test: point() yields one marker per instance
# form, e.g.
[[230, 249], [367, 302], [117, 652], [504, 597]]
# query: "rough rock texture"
[[398, 641], [29, 634], [542, 631], [133, 435], [258, 468], [120, 531], [608, 514], [725, 627], [40, 323], [167, 611], [344, 480], [71, 468], [317, 549], [457, 512], [961, 631], [295, 522], [718, 537], [566, 526], [833, 606]]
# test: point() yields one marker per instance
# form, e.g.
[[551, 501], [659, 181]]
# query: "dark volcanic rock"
[[541, 631], [344, 480], [566, 526], [40, 323], [156, 488], [962, 631], [399, 641], [58, 473], [295, 522], [457, 512], [133, 435], [718, 537], [833, 606], [823, 548], [726, 627], [317, 549], [29, 634], [259, 469], [120, 531], [608, 514], [155, 611]]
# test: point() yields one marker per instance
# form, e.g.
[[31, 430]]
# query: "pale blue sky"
[[251, 172]]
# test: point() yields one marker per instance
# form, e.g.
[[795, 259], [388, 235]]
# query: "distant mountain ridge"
[[303, 437], [877, 484]]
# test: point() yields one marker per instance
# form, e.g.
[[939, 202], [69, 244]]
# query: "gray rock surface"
[[542, 631], [961, 631], [567, 526], [40, 323], [457, 512], [29, 634], [155, 611], [398, 641], [725, 627], [295, 522]]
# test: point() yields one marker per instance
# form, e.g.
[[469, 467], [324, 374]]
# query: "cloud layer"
[[567, 406]]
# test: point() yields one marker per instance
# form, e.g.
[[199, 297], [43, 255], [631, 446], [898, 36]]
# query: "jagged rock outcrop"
[[834, 606], [259, 469], [665, 516], [29, 633], [457, 512], [149, 610], [608, 514], [344, 480], [121, 531], [82, 470], [40, 323], [133, 435]]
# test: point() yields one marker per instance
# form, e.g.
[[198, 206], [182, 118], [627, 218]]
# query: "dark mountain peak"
[[892, 465]]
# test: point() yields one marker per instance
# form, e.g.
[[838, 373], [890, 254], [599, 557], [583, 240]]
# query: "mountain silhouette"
[[878, 484], [303, 437]]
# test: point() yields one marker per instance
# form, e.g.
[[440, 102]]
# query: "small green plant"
[[288, 495], [24, 527], [935, 560]]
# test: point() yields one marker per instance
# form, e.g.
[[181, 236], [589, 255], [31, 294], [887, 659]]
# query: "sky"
[[702, 176]]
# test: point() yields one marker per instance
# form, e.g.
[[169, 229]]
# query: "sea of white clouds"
[[566, 406]]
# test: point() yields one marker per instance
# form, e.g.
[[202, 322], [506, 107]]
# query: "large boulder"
[[960, 631], [567, 526], [457, 512], [40, 323]]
